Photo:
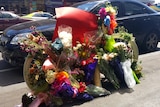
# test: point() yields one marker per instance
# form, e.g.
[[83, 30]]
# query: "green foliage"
[[123, 33]]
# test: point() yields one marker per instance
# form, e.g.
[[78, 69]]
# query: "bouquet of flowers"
[[57, 71], [107, 19]]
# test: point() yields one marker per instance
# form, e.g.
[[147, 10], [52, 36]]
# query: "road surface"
[[145, 94]]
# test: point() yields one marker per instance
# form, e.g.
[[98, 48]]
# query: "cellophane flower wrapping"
[[58, 71], [128, 74], [124, 52]]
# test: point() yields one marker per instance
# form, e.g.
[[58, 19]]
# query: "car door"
[[135, 19]]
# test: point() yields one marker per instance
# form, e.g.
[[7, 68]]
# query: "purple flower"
[[102, 13]]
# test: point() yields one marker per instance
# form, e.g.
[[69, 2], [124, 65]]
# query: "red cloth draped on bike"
[[79, 20]]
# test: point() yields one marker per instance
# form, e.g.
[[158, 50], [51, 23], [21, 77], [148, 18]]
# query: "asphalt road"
[[12, 85], [145, 94], [8, 74]]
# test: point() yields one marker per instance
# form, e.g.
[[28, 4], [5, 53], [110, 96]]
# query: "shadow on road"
[[143, 52], [10, 75]]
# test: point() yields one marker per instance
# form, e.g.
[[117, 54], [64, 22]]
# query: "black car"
[[9, 40], [135, 16], [138, 18]]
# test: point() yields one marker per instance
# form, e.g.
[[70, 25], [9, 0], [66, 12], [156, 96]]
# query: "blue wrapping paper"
[[89, 71], [66, 91], [115, 64]]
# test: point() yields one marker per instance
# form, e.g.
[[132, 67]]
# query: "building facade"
[[12, 5], [28, 6], [23, 6]]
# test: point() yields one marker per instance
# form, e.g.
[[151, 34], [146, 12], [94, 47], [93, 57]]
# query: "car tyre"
[[150, 42]]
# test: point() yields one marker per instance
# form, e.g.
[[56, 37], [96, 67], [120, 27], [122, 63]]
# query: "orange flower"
[[62, 75], [31, 70]]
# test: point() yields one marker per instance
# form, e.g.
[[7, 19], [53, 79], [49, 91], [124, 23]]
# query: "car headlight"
[[18, 38]]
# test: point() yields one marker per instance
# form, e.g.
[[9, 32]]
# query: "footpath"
[[145, 94]]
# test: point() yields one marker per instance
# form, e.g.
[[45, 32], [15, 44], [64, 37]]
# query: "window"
[[6, 15], [103, 5], [134, 9], [37, 15], [118, 6], [46, 15], [0, 15]]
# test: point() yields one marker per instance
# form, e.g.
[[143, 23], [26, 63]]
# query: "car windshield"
[[8, 15], [14, 15], [37, 15], [87, 6]]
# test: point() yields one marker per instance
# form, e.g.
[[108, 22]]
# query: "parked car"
[[155, 7], [38, 15], [9, 40], [50, 5], [135, 16], [8, 18]]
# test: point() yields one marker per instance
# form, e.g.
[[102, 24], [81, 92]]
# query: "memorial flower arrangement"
[[58, 71], [107, 19]]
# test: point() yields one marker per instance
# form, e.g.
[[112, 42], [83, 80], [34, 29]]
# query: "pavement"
[[145, 94]]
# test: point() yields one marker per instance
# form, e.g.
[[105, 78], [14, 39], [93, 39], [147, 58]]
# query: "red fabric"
[[80, 21]]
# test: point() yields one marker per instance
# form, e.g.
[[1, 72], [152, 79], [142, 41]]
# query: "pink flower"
[[102, 13]]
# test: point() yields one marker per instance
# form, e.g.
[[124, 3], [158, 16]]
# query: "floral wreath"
[[56, 71]]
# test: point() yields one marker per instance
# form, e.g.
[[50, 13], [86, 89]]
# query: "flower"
[[102, 13], [65, 35], [55, 63], [109, 56], [107, 20], [66, 71], [66, 39], [123, 51]]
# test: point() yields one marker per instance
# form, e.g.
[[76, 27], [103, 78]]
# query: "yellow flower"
[[50, 76], [111, 10]]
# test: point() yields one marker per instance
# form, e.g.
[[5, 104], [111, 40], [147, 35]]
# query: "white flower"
[[75, 48], [66, 39], [109, 56], [105, 56], [116, 45]]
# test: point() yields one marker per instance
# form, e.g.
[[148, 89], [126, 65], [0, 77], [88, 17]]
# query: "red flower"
[[82, 87]]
